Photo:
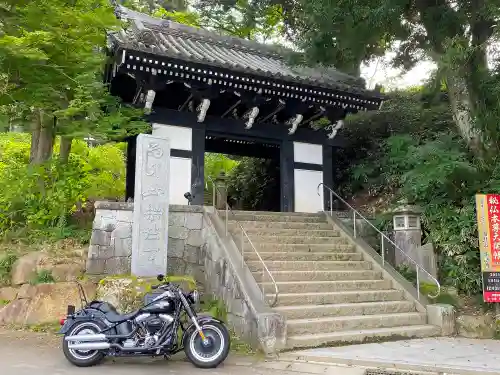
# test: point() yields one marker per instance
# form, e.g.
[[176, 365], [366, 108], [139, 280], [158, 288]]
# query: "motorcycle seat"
[[115, 317]]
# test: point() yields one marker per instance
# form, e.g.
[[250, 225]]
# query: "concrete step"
[[345, 309], [280, 225], [321, 275], [296, 256], [283, 265], [287, 247], [288, 232], [329, 286], [353, 323], [257, 238], [273, 217], [338, 297], [361, 336]]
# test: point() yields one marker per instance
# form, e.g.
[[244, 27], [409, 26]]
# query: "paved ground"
[[24, 353], [443, 355]]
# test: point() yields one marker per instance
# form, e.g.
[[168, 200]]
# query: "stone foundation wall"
[[110, 248]]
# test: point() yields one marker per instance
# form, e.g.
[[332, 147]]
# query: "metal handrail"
[[244, 234], [356, 214]]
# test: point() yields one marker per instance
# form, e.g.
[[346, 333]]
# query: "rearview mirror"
[[160, 277]]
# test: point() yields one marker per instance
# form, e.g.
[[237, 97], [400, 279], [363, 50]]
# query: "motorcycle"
[[97, 330]]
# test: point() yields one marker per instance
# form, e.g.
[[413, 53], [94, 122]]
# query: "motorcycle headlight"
[[195, 296]]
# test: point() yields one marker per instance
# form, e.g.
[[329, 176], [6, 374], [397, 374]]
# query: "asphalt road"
[[23, 353]]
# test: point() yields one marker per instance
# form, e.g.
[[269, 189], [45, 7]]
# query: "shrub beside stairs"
[[328, 293]]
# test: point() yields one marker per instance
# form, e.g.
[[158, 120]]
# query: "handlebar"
[[158, 286]]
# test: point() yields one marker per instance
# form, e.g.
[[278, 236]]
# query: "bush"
[[7, 260], [45, 196], [411, 150]]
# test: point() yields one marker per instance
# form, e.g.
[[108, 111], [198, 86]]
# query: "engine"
[[150, 328]]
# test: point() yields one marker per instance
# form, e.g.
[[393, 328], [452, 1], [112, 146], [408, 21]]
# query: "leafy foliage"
[[47, 195], [7, 260], [423, 160], [52, 55], [42, 277], [253, 185]]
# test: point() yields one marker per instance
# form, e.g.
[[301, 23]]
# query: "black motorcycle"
[[160, 328]]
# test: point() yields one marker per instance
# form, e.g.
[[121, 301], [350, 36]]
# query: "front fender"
[[84, 315], [202, 319]]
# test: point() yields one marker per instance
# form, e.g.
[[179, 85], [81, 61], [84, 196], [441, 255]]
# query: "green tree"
[[242, 18], [454, 34], [52, 56]]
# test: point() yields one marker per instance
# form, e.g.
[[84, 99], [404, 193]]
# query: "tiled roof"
[[171, 39]]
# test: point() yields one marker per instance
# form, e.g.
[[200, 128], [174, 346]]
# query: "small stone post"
[[407, 234], [408, 237], [221, 192]]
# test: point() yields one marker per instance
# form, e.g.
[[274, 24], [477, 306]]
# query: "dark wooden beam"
[[130, 167], [198, 166], [233, 127], [287, 177], [327, 174]]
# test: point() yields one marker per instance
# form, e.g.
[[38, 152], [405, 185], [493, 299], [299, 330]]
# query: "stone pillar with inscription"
[[151, 202]]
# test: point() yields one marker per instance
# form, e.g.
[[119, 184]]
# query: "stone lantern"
[[407, 232]]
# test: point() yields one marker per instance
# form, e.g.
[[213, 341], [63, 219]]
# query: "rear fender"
[[85, 315]]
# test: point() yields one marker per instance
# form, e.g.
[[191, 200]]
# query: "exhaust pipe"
[[89, 346], [81, 338]]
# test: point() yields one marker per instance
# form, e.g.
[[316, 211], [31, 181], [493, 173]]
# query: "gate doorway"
[[254, 182]]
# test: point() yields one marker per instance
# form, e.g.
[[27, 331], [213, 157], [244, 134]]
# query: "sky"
[[379, 72]]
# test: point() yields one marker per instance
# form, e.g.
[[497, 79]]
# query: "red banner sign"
[[488, 221]]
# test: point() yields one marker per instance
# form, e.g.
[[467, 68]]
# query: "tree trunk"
[[461, 108], [35, 136], [65, 149], [45, 143]]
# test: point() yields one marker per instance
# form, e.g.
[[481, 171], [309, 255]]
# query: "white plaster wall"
[[180, 138], [306, 191], [180, 179], [307, 153]]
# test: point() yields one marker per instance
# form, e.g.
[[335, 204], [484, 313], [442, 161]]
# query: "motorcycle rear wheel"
[[211, 353], [83, 358]]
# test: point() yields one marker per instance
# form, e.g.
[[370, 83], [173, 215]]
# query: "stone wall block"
[[195, 238], [176, 266], [176, 219], [100, 237], [106, 252], [95, 266], [271, 332], [117, 266], [194, 221], [443, 316], [124, 216], [192, 254], [175, 248], [178, 232], [93, 252], [105, 220]]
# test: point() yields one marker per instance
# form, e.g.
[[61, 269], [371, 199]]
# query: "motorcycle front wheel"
[[213, 351]]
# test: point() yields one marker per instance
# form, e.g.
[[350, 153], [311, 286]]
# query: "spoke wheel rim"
[[210, 351], [88, 329]]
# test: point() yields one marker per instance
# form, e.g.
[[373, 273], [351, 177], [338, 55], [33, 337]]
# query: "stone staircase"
[[328, 293]]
